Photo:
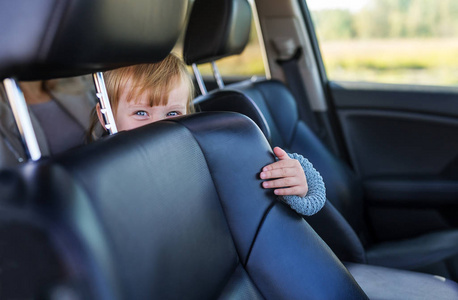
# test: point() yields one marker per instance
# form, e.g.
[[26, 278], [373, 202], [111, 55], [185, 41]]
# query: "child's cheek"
[[122, 123]]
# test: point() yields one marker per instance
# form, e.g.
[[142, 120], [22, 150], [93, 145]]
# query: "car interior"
[[169, 210], [436, 252]]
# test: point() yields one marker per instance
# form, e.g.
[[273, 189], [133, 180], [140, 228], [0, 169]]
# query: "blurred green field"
[[246, 64], [404, 61], [389, 41]]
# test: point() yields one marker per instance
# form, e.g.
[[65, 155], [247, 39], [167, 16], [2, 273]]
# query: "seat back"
[[186, 218], [162, 214], [279, 111]]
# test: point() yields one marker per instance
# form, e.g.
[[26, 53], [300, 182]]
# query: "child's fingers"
[[282, 182], [279, 173], [289, 163], [280, 153], [285, 176]]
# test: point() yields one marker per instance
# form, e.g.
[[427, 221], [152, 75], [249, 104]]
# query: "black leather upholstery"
[[169, 236], [227, 101], [49, 38], [338, 234]]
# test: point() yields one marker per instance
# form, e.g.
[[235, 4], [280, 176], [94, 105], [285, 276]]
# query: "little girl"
[[143, 94]]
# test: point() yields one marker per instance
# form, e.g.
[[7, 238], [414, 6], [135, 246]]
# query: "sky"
[[353, 5]]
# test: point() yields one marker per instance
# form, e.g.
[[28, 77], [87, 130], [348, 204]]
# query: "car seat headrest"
[[58, 38], [216, 29]]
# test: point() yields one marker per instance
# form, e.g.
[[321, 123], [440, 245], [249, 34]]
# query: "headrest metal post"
[[199, 79], [22, 118], [104, 103], [217, 75]]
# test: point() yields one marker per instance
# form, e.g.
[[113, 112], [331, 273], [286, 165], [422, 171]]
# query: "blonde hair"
[[156, 80]]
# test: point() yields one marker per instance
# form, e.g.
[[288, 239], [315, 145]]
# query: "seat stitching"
[[264, 217]]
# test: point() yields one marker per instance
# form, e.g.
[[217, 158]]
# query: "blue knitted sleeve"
[[316, 195]]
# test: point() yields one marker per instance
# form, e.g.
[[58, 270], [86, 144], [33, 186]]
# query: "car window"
[[388, 41]]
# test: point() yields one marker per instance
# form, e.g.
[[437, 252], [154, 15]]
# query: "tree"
[[390, 19], [334, 24]]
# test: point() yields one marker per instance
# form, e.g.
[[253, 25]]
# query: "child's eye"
[[173, 114], [141, 113]]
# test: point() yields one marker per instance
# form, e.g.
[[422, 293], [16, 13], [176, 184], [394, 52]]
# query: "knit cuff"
[[315, 199]]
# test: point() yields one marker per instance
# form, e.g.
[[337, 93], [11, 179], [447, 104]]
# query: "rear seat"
[[75, 98], [211, 35]]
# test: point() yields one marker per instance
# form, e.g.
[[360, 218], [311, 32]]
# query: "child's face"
[[138, 112]]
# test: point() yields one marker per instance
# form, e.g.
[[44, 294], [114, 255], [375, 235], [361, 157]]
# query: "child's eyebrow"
[[176, 106], [139, 104], [143, 102]]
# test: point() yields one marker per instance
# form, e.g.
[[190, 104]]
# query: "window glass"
[[388, 41]]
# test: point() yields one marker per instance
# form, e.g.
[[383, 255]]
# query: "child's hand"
[[286, 176]]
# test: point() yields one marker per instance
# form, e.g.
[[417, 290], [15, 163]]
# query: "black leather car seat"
[[184, 219], [188, 219], [213, 34]]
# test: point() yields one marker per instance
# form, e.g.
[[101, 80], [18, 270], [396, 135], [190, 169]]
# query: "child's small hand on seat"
[[285, 176]]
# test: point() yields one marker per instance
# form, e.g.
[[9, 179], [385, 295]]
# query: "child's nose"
[[156, 117]]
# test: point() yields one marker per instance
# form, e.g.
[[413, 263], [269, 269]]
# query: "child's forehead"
[[138, 97], [149, 94]]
